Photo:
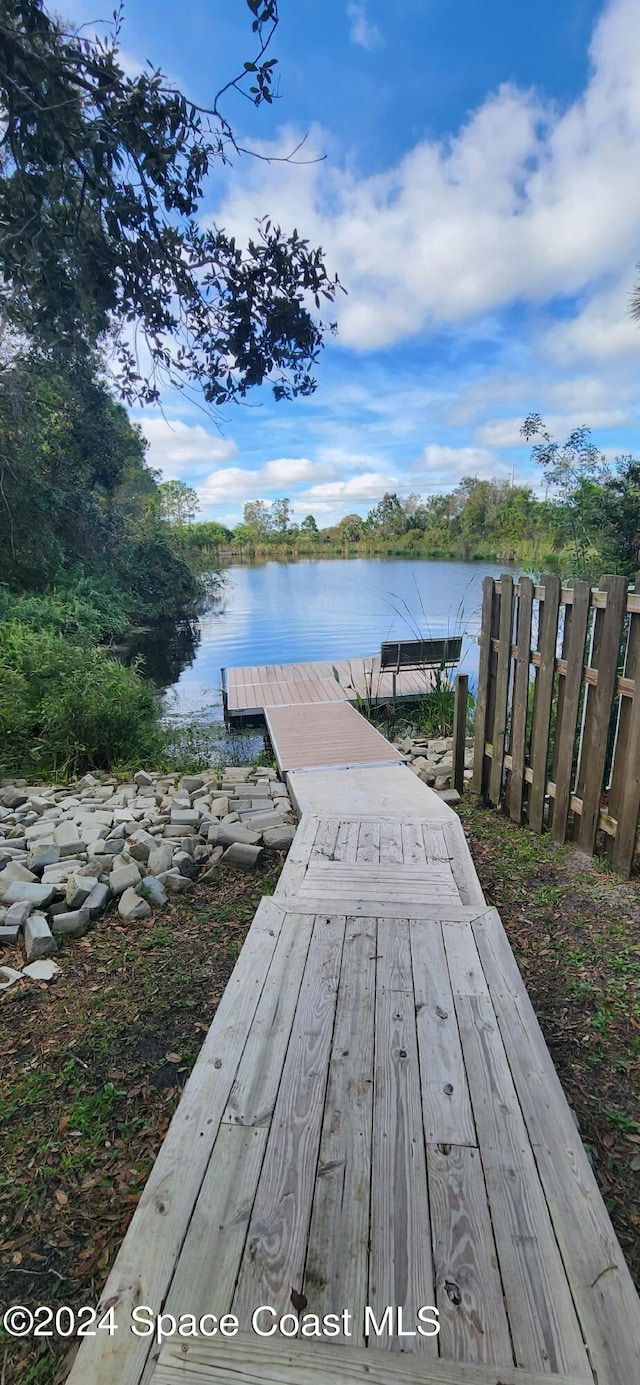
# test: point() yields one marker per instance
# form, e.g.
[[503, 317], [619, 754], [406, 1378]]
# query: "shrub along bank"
[[85, 555]]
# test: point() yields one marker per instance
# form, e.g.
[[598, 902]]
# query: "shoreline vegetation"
[[100, 559]]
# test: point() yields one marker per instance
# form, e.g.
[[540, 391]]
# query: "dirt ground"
[[91, 1070]]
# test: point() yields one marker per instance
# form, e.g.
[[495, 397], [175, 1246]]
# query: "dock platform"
[[247, 691], [373, 1140]]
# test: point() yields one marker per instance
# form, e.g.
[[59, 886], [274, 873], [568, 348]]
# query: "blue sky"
[[478, 196]]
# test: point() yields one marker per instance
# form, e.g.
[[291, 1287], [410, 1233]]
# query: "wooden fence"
[[557, 733]]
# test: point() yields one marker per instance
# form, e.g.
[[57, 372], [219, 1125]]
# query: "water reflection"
[[167, 650]]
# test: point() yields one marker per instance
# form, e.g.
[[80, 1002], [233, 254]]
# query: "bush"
[[158, 585], [65, 709], [83, 609]]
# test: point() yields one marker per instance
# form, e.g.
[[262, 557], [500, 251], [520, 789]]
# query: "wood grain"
[[544, 1327], [568, 706], [446, 1104], [336, 1274], [501, 689], [469, 1293], [543, 698], [247, 1360], [147, 1257], [401, 1271], [274, 1258], [601, 1284], [520, 703]]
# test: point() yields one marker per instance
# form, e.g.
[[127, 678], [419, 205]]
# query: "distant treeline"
[[591, 524]]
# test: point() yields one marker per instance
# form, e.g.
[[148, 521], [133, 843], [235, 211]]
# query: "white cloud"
[[524, 202], [178, 449], [505, 432], [450, 463], [602, 332], [245, 483], [363, 31]]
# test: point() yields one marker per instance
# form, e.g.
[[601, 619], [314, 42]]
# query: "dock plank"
[[545, 1330], [401, 1269], [600, 1281], [148, 1255], [275, 1253], [247, 1360], [336, 1274], [446, 1103], [469, 1294]]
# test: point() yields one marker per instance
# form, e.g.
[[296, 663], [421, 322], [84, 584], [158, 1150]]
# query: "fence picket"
[[501, 688], [482, 700], [594, 746], [459, 730], [504, 701], [577, 618], [631, 670], [520, 698], [547, 640]]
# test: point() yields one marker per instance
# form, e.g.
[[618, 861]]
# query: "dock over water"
[[373, 1129], [248, 691]]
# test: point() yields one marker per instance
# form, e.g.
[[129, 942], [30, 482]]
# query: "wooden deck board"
[[375, 1120], [321, 735], [250, 689]]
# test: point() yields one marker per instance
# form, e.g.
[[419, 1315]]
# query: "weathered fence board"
[[520, 698], [502, 687], [580, 774], [543, 698], [575, 635]]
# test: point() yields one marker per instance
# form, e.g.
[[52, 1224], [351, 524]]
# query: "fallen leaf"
[[173, 1057], [61, 1197]]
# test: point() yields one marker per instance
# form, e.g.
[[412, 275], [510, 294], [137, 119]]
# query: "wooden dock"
[[373, 1139], [247, 691]]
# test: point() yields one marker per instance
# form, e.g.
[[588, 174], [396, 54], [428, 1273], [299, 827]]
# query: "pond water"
[[275, 613]]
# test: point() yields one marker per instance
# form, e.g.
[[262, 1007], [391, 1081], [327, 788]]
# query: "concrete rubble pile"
[[432, 760], [66, 852]]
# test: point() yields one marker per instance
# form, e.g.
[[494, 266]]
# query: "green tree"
[[257, 518], [178, 502], [102, 178], [281, 517], [352, 527], [388, 517], [308, 525]]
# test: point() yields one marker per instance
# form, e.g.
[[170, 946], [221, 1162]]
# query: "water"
[[276, 613]]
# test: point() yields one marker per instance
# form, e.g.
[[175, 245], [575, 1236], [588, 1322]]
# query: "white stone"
[[124, 879], [131, 906], [43, 970], [8, 977], [38, 938], [38, 895]]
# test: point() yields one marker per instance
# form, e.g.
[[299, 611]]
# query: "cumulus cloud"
[[178, 449], [237, 484], [524, 202], [363, 31], [505, 432]]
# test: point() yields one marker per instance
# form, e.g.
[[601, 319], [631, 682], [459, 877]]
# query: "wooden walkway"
[[248, 690], [326, 736], [374, 1123]]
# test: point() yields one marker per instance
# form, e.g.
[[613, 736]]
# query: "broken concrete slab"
[[38, 895], [38, 938], [42, 970]]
